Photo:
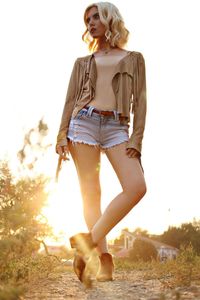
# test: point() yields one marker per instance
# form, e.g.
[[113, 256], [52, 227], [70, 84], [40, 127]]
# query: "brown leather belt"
[[103, 112]]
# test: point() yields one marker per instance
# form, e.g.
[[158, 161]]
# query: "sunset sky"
[[40, 40]]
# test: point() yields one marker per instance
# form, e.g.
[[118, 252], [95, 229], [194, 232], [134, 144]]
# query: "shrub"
[[22, 228], [142, 250]]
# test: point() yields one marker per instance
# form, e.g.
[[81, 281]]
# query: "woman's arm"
[[139, 105], [69, 104]]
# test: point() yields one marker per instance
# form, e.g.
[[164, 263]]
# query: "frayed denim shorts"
[[98, 130]]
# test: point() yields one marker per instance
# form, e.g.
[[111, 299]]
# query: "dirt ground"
[[126, 285]]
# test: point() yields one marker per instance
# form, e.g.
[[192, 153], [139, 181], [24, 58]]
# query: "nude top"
[[129, 87], [104, 98]]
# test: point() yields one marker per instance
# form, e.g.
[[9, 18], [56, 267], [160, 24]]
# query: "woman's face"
[[94, 25]]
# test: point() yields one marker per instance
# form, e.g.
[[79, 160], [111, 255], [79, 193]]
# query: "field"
[[51, 278]]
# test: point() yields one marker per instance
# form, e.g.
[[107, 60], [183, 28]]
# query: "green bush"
[[22, 225], [22, 230], [142, 250], [186, 234]]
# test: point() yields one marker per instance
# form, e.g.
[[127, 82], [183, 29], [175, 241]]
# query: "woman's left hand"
[[133, 153]]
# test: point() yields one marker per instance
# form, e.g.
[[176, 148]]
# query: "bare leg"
[[133, 185], [87, 162]]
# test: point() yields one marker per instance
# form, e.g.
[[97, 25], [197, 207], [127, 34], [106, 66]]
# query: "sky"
[[40, 41]]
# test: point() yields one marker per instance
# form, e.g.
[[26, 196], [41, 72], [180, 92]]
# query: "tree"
[[184, 235], [34, 148], [141, 232], [22, 226], [22, 197], [173, 236], [142, 250]]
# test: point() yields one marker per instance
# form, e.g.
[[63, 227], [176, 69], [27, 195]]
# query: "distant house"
[[164, 251], [53, 249]]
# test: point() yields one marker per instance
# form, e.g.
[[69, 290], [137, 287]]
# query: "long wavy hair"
[[116, 32]]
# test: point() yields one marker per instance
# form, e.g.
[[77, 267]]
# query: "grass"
[[181, 272], [20, 272]]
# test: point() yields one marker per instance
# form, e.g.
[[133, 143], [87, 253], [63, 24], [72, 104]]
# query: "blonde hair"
[[116, 32]]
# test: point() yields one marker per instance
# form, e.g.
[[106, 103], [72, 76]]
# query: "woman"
[[104, 88]]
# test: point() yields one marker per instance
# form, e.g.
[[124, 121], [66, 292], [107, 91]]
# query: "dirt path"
[[127, 285]]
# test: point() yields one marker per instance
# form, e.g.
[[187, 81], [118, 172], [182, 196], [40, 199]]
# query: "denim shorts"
[[95, 129]]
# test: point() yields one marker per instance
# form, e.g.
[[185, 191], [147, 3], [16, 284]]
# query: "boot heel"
[[84, 245], [79, 266]]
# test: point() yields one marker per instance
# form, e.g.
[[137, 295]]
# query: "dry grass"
[[181, 272]]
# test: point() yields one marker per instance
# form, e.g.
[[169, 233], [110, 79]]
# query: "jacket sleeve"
[[69, 105], [139, 104]]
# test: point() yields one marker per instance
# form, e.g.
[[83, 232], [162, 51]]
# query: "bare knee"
[[142, 189], [136, 191]]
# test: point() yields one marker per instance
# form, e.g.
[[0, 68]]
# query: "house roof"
[[157, 244], [122, 253]]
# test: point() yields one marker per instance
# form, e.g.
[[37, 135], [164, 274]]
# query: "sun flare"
[[64, 208]]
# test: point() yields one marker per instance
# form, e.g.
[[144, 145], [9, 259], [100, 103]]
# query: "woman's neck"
[[104, 45]]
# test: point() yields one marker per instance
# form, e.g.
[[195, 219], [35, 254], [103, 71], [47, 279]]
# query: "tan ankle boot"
[[106, 268], [84, 245]]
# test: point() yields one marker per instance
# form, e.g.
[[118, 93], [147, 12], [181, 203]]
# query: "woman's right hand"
[[63, 151]]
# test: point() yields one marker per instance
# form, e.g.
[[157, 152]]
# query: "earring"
[[117, 36], [108, 34]]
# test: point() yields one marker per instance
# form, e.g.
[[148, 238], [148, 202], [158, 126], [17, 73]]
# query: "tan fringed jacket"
[[129, 86]]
